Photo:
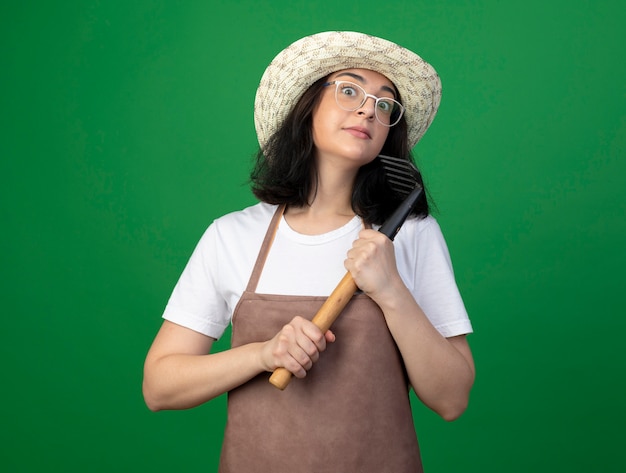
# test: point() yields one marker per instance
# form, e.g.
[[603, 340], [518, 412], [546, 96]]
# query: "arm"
[[441, 370], [179, 372]]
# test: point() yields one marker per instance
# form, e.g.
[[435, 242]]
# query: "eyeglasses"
[[350, 96]]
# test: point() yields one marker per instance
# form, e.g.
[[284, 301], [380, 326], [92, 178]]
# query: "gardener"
[[326, 107]]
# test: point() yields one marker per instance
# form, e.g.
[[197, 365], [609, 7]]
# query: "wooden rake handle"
[[324, 318]]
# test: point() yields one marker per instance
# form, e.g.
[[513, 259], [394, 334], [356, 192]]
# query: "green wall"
[[126, 127]]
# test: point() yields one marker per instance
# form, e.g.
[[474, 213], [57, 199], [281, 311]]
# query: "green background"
[[126, 127]]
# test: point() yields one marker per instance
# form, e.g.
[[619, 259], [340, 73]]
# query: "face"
[[352, 137]]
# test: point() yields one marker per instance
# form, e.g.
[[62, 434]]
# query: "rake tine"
[[401, 174]]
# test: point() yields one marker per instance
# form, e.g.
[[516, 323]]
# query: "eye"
[[349, 90], [385, 106]]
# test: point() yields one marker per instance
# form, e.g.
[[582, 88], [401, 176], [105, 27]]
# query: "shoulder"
[[421, 241], [235, 234], [259, 211], [420, 228], [246, 221]]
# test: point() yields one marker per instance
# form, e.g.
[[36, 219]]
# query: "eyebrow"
[[363, 81]]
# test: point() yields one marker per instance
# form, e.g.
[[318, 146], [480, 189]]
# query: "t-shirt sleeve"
[[196, 302], [430, 276]]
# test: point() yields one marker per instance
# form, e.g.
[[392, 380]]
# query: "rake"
[[403, 178]]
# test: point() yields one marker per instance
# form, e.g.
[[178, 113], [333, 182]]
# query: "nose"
[[368, 107]]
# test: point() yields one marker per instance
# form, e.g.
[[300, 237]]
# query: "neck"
[[331, 205]]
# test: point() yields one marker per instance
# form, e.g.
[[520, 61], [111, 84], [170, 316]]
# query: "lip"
[[359, 132]]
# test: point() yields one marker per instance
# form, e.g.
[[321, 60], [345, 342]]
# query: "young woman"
[[326, 108]]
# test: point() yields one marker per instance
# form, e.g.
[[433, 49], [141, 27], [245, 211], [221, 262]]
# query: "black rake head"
[[402, 175]]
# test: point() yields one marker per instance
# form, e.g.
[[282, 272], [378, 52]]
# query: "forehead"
[[367, 77]]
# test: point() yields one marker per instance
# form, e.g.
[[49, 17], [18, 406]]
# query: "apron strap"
[[265, 248]]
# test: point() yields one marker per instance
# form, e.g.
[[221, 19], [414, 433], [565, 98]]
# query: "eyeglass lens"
[[351, 96]]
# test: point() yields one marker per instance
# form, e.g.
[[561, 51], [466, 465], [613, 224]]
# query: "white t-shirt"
[[308, 265]]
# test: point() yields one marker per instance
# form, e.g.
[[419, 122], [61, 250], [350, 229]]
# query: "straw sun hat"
[[309, 59]]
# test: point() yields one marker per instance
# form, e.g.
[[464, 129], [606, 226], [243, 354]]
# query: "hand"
[[372, 263], [296, 347]]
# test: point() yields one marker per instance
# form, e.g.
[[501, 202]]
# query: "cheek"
[[381, 135], [317, 126], [323, 121]]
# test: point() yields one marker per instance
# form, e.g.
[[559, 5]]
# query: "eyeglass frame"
[[400, 107]]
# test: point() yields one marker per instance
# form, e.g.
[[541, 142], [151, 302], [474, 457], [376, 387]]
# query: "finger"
[[300, 360], [294, 367], [308, 347], [291, 342], [314, 335]]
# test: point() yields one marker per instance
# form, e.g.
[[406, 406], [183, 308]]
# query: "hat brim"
[[309, 59]]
